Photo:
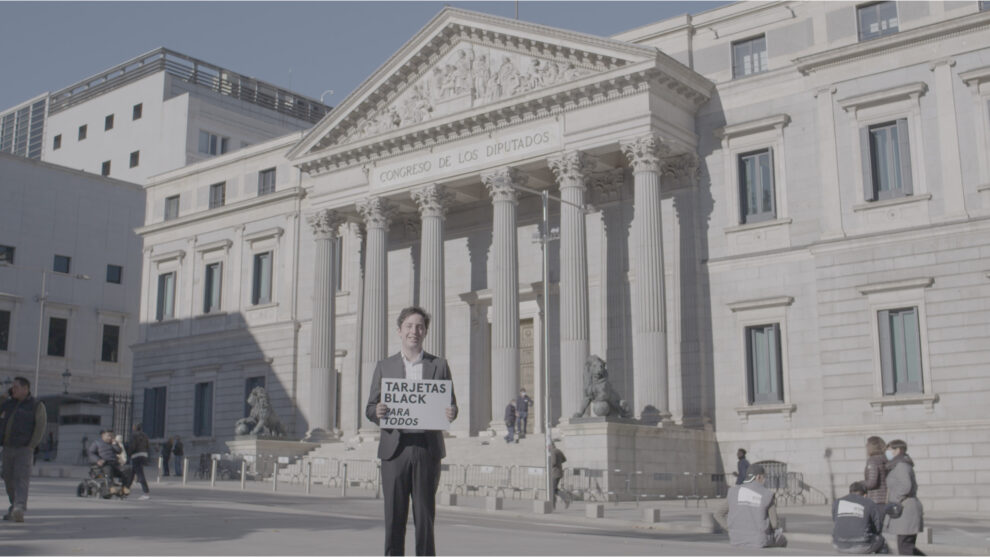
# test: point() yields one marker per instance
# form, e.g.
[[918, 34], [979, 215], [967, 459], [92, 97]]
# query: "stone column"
[[323, 374], [948, 140], [571, 169], [831, 202], [377, 212], [505, 292], [433, 201], [648, 302]]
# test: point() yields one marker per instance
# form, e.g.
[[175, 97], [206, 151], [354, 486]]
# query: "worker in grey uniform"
[[750, 513]]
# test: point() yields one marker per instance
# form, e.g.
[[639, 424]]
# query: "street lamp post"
[[547, 236], [66, 378]]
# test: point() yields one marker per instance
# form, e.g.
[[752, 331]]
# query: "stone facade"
[[745, 247]]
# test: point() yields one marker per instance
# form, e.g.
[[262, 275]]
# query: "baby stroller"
[[99, 485]]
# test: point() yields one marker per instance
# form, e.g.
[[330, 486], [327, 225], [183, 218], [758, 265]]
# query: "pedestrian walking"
[[139, 458], [23, 421], [510, 421], [179, 453], [523, 402], [902, 488], [742, 467], [875, 475], [557, 460]]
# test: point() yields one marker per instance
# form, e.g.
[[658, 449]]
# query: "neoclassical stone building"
[[773, 228]]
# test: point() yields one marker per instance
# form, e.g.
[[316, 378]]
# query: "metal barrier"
[[527, 479], [485, 480]]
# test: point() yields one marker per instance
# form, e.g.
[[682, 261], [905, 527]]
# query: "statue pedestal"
[[628, 457], [254, 446]]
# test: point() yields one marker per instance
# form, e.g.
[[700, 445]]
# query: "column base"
[[367, 434], [320, 435]]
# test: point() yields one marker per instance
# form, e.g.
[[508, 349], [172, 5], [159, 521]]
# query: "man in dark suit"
[[410, 458]]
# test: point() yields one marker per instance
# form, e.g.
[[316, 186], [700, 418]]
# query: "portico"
[[428, 156]]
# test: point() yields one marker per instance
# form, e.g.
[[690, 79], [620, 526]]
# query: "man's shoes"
[[17, 515], [144, 497]]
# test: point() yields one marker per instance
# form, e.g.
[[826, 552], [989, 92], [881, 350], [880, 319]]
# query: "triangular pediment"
[[464, 63]]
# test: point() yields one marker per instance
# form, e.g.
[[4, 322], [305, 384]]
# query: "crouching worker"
[[103, 453], [750, 513], [858, 523]]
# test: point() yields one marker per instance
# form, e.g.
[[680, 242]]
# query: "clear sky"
[[308, 47]]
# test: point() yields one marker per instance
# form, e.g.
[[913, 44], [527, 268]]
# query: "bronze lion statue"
[[598, 392], [263, 421]]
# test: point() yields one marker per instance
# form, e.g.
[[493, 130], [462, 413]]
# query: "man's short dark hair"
[[898, 444], [741, 453], [406, 312], [857, 487], [137, 426], [23, 381]]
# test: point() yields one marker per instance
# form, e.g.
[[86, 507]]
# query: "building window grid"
[[876, 20], [105, 168], [153, 416], [82, 132], [58, 329], [900, 351], [135, 158], [172, 207], [212, 144], [212, 287], [57, 142], [4, 330], [203, 409], [756, 186], [887, 172], [261, 290], [266, 181], [218, 195], [166, 297], [111, 343], [7, 254], [108, 122], [749, 56], [115, 273], [136, 111], [62, 264], [764, 364]]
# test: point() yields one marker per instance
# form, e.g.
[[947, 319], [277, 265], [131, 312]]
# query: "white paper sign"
[[416, 404]]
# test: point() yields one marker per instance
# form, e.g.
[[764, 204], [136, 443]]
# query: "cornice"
[[752, 126], [904, 39], [271, 198], [901, 92]]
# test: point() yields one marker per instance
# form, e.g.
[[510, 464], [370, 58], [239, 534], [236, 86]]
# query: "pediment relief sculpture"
[[467, 77]]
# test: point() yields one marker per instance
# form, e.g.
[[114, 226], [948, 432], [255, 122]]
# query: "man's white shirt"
[[414, 370]]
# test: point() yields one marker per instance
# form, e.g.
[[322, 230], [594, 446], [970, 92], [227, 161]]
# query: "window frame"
[[203, 409], [7, 253], [222, 188], [755, 313], [754, 375], [83, 132], [171, 202], [895, 148], [890, 30], [137, 111], [52, 349], [62, 258], [264, 188], [165, 308], [748, 43], [258, 294], [108, 122], [105, 168], [212, 287], [5, 328], [57, 142], [154, 417], [119, 269], [114, 353], [215, 144], [765, 215], [135, 159]]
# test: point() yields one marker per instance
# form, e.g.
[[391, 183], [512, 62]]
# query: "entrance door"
[[526, 367]]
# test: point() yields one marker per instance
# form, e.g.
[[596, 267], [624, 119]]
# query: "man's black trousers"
[[413, 472]]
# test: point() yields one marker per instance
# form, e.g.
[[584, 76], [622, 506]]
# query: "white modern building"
[[784, 246]]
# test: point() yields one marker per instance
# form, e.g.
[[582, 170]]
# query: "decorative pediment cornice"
[[467, 73]]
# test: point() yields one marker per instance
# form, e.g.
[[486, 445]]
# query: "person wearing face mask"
[[902, 488], [750, 513]]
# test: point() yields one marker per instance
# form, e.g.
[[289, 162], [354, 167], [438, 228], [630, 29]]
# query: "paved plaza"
[[224, 520]]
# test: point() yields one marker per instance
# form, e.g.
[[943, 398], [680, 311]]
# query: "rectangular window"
[[211, 292], [172, 207], [105, 168], [111, 342], [166, 297], [900, 351], [136, 111], [108, 122], [763, 363], [58, 328], [266, 181], [62, 264], [7, 254], [249, 384], [756, 193], [749, 56], [212, 144], [203, 410], [135, 158], [261, 291], [114, 273], [887, 160], [876, 20], [153, 417], [57, 142], [82, 132], [218, 195], [4, 330]]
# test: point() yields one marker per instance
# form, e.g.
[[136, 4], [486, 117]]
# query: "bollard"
[[275, 476], [929, 535], [213, 472], [185, 469], [651, 515], [343, 483], [493, 503], [594, 510], [542, 507], [309, 477], [243, 473], [708, 522], [158, 480]]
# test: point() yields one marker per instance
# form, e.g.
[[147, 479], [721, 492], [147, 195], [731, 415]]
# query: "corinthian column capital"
[[325, 223], [377, 212], [433, 200], [570, 168], [501, 183], [644, 153]]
